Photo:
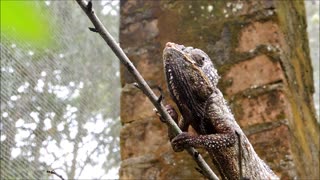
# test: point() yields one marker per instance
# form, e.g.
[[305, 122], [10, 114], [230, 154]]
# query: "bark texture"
[[260, 49]]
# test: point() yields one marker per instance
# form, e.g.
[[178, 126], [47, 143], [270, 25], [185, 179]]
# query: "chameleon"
[[192, 83]]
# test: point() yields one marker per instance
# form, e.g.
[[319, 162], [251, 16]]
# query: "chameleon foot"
[[181, 141]]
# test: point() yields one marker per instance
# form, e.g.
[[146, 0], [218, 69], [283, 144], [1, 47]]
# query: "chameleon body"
[[192, 82]]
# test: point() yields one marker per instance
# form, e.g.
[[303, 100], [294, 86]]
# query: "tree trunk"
[[261, 51]]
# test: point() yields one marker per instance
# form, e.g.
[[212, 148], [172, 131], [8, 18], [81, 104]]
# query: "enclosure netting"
[[60, 105]]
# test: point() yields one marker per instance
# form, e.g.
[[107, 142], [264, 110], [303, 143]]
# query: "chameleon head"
[[189, 72]]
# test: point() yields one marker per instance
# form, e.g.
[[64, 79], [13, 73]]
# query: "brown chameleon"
[[192, 81]]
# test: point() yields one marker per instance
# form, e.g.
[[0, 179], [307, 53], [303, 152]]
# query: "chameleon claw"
[[158, 114], [181, 141], [172, 112]]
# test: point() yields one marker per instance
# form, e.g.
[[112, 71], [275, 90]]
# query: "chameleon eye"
[[200, 60]]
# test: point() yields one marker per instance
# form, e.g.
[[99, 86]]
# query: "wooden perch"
[[99, 28]]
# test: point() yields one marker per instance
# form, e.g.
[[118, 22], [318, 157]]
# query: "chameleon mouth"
[[170, 44], [172, 68], [171, 78], [174, 45], [176, 57], [179, 49]]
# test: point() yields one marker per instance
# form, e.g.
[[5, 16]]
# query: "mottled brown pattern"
[[192, 82]]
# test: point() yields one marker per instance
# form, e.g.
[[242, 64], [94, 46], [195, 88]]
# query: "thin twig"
[[142, 83], [53, 172], [240, 154]]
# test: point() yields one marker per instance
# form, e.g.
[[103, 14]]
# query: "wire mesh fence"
[[60, 105], [312, 12]]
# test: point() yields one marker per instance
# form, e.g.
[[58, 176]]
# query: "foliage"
[[26, 19]]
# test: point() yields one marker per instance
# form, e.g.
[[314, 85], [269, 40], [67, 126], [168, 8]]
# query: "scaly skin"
[[192, 81]]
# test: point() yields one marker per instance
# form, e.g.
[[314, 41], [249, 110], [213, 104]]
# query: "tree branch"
[[53, 172], [99, 28]]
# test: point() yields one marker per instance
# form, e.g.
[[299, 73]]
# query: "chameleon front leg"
[[209, 142], [220, 118], [182, 123]]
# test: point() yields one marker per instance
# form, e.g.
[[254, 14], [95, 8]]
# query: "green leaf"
[[23, 21]]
